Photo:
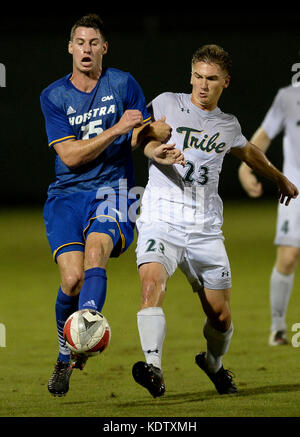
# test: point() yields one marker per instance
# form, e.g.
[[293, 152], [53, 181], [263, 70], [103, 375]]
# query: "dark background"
[[156, 46]]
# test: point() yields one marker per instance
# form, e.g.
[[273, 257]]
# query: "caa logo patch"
[[106, 98]]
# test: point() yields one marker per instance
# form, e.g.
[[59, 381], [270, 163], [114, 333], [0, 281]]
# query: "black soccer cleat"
[[78, 361], [222, 379], [150, 377], [58, 384], [278, 338]]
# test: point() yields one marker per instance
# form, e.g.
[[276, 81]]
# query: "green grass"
[[268, 378]]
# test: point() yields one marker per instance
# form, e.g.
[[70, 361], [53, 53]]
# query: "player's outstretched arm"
[[75, 153], [255, 158], [247, 179], [164, 153]]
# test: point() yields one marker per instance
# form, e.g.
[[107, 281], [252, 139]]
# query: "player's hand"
[[130, 119], [287, 191], [249, 182], [160, 130], [168, 155]]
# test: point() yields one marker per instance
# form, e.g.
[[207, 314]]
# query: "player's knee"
[[287, 259], [97, 250], [72, 282], [148, 288], [221, 318], [288, 263], [152, 292], [96, 257], [224, 321], [93, 256]]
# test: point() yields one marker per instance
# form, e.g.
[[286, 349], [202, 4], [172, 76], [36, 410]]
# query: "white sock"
[[280, 291], [152, 329], [217, 345]]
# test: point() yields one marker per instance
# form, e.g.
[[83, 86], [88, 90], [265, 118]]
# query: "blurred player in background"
[[283, 116], [90, 115], [181, 219]]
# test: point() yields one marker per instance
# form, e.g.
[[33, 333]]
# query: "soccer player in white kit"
[[283, 116], [181, 218]]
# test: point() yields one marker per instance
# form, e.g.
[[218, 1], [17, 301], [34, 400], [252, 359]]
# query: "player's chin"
[[204, 101], [86, 67]]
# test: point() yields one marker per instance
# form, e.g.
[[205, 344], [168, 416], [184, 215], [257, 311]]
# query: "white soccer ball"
[[87, 332]]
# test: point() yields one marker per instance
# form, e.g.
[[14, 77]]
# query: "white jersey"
[[284, 115], [188, 196]]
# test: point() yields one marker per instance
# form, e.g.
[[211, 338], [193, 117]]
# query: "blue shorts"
[[70, 218]]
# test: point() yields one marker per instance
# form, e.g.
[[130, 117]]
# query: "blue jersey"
[[70, 113]]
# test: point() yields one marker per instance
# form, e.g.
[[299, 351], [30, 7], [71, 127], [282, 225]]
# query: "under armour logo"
[[150, 351], [183, 110]]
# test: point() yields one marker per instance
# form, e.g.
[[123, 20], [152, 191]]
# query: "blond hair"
[[213, 54]]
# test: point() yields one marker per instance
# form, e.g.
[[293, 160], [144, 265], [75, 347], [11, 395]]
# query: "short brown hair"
[[89, 20], [213, 54]]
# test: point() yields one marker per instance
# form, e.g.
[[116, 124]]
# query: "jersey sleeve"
[[58, 128], [156, 106], [273, 122], [239, 139], [135, 98]]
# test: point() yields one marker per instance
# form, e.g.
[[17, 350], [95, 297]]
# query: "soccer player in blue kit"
[[94, 118]]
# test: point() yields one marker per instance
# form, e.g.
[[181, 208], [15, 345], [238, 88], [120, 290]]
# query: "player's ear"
[[227, 81], [105, 48]]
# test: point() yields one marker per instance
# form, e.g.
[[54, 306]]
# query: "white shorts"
[[288, 224], [203, 260]]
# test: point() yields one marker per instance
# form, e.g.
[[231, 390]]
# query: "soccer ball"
[[87, 332]]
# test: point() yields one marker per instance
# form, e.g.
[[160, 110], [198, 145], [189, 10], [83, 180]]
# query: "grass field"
[[268, 378]]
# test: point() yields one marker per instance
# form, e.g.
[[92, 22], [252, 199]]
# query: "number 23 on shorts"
[[154, 246]]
